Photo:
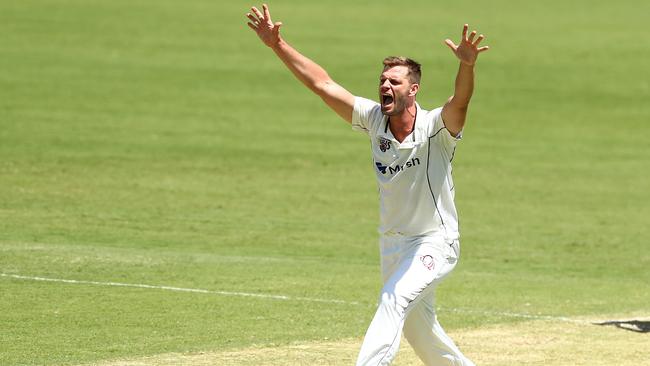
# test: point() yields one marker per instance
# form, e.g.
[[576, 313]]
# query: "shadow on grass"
[[631, 325]]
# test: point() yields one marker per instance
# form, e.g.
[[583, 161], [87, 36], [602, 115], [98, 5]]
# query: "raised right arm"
[[307, 71]]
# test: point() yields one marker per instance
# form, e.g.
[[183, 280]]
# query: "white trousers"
[[411, 269]]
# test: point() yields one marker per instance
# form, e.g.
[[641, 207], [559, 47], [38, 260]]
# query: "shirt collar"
[[412, 140]]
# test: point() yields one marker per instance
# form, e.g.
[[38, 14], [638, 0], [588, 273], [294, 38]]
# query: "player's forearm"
[[307, 71], [464, 86]]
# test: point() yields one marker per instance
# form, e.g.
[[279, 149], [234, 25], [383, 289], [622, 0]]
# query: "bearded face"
[[395, 90]]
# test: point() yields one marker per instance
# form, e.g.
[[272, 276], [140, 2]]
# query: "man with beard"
[[412, 150]]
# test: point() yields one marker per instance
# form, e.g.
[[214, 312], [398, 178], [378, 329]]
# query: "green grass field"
[[160, 143]]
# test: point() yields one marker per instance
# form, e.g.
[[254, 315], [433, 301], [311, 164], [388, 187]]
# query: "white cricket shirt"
[[416, 190]]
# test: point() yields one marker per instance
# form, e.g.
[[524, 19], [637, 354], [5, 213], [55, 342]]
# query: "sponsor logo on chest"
[[383, 169]]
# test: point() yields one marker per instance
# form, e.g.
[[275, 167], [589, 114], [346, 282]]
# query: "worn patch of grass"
[[540, 342]]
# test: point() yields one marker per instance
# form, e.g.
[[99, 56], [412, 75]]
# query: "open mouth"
[[386, 100]]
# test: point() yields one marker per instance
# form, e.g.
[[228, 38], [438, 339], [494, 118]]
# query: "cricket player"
[[412, 149]]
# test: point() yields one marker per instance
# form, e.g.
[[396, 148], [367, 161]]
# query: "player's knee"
[[386, 298], [392, 303]]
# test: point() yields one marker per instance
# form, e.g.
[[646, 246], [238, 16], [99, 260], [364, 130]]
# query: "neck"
[[401, 125]]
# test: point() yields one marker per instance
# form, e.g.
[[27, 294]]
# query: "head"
[[399, 82]]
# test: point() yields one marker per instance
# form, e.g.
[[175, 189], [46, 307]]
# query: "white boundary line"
[[284, 297], [179, 289]]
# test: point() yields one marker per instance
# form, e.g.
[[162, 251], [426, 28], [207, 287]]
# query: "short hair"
[[414, 74]]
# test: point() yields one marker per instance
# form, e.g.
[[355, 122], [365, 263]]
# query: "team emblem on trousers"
[[384, 144], [427, 260]]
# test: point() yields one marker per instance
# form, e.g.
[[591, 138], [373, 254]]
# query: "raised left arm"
[[455, 110]]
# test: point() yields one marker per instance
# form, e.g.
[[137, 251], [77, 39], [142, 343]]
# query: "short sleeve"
[[439, 130], [361, 115]]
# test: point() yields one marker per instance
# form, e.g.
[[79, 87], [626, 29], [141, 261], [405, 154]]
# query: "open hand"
[[262, 24], [467, 50]]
